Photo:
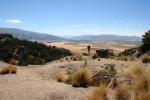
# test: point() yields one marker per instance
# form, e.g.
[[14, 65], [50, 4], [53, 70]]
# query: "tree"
[[146, 42]]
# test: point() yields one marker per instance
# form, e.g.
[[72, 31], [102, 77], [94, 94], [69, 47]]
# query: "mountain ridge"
[[107, 37], [37, 36], [30, 35]]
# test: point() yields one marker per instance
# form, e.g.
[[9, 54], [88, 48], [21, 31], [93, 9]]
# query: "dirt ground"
[[79, 47], [36, 82]]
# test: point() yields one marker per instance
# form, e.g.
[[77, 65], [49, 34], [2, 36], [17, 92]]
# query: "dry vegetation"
[[94, 56], [81, 78], [122, 92], [77, 58], [140, 82], [60, 76], [78, 78], [99, 93], [146, 59], [8, 70], [126, 58], [139, 89], [13, 62]]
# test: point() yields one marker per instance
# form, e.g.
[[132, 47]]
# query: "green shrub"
[[35, 53]]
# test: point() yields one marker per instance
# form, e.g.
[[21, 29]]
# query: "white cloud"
[[13, 21]]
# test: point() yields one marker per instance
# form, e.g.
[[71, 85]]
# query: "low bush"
[[122, 92], [8, 70], [146, 59], [60, 76], [76, 58], [13, 62], [99, 93], [94, 56], [81, 78]]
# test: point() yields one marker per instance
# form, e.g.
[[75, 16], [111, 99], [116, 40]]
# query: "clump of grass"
[[76, 58], [13, 62], [99, 93], [66, 58], [81, 78], [98, 59], [140, 82], [60, 76], [144, 96], [8, 70], [122, 92], [94, 56], [79, 57], [146, 59]]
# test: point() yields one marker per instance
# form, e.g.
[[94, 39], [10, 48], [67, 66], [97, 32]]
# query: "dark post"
[[89, 49]]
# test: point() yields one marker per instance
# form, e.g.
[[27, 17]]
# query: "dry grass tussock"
[[8, 70], [77, 78], [94, 56], [13, 62], [99, 93], [77, 58], [122, 92], [60, 76], [81, 78], [140, 82], [146, 59]]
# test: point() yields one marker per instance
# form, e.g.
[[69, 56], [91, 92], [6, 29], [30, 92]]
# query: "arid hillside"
[[78, 47], [38, 82]]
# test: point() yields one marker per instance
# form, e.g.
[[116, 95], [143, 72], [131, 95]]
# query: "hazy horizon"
[[77, 17]]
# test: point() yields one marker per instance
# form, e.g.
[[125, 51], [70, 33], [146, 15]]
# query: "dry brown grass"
[[99, 93], [13, 62], [137, 89], [122, 92], [81, 78], [140, 82], [77, 58], [126, 58], [123, 58], [146, 59], [94, 55], [133, 58], [60, 76], [144, 96], [140, 79], [8, 70], [98, 59]]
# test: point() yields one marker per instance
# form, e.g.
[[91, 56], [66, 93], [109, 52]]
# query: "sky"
[[77, 17]]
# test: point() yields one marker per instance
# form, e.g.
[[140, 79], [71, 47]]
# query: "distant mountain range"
[[35, 36], [116, 38], [29, 35]]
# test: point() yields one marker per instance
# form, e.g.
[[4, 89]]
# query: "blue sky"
[[77, 17]]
